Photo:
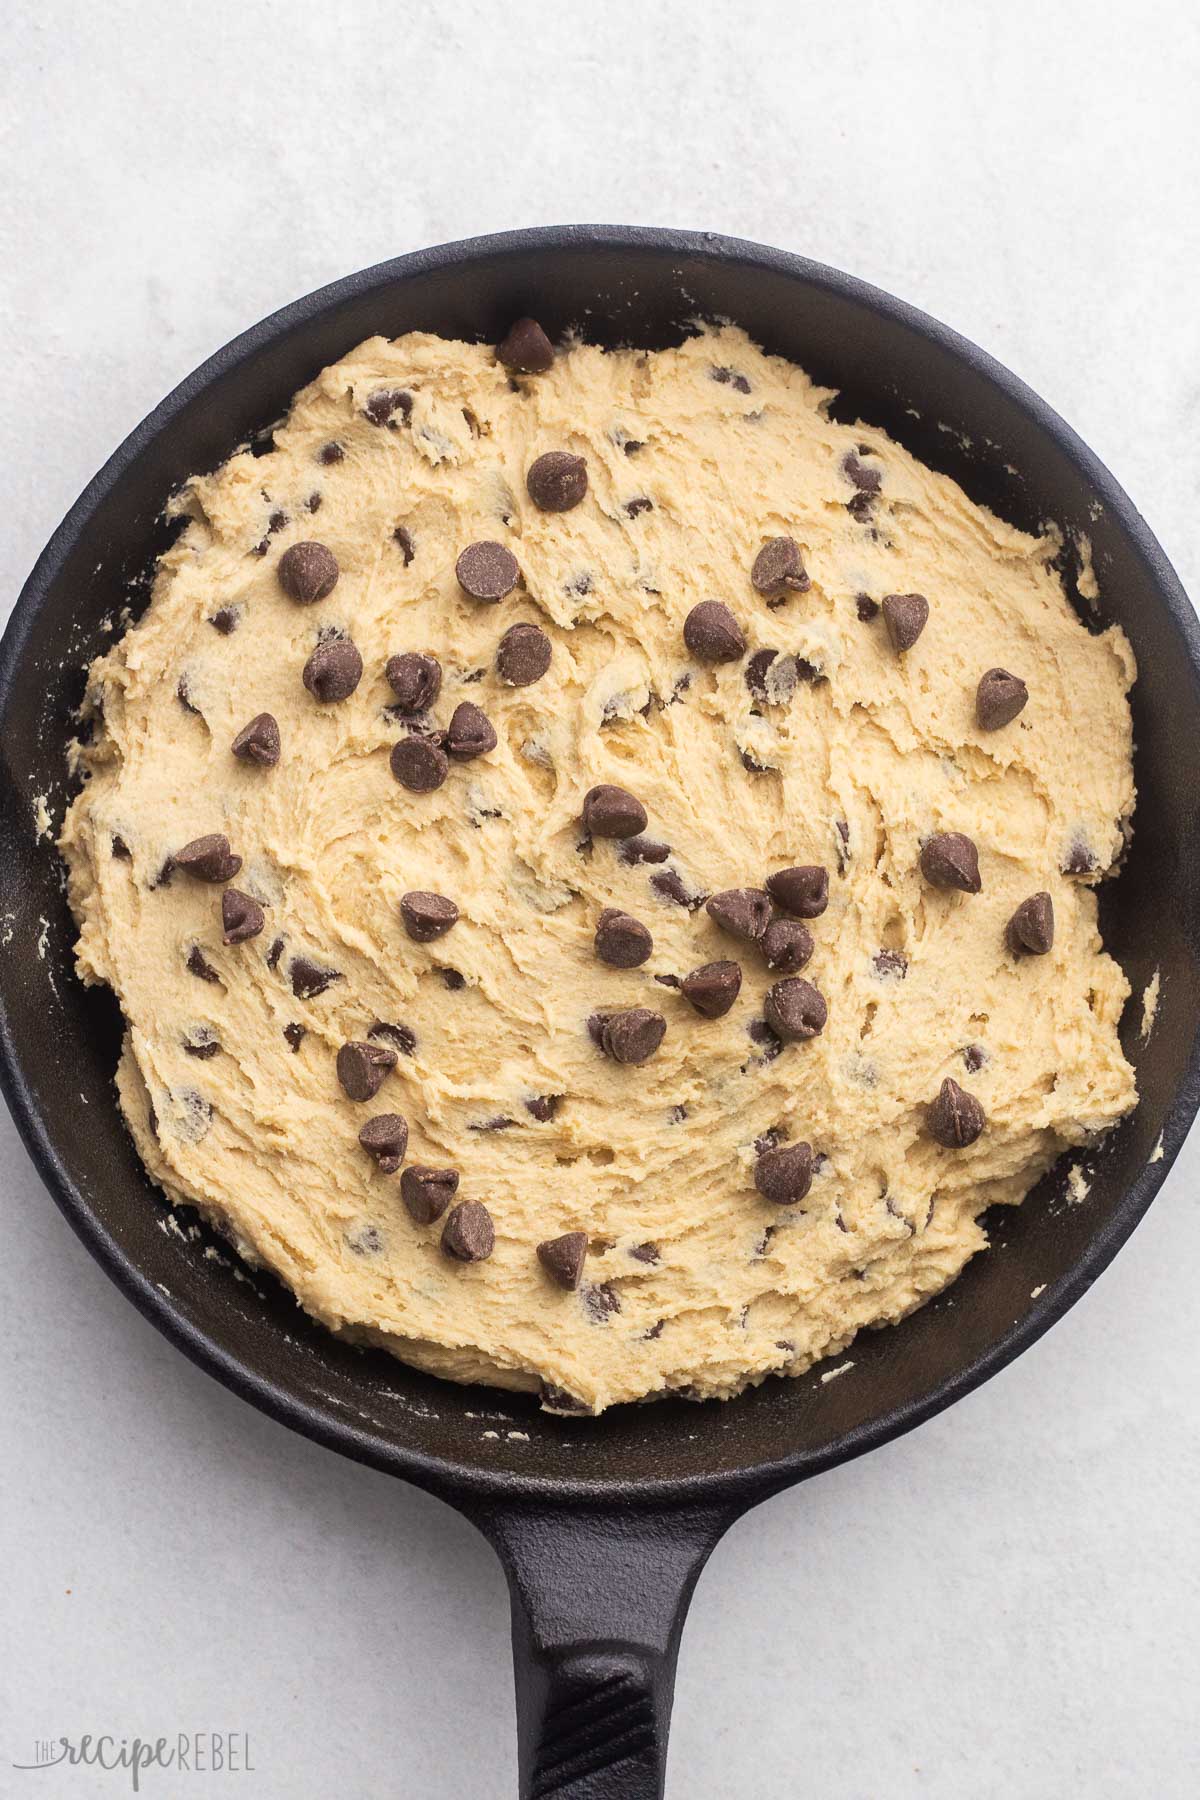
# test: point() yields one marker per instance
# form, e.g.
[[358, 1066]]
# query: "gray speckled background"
[[1002, 1606]]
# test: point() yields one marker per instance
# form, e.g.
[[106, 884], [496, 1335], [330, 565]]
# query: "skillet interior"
[[950, 406]]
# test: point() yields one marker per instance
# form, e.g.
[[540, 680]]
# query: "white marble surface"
[[1003, 1605]]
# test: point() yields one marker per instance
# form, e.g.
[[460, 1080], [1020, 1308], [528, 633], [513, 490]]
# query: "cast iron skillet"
[[602, 1525]]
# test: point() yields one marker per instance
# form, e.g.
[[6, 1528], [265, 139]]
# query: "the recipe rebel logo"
[[186, 1752]]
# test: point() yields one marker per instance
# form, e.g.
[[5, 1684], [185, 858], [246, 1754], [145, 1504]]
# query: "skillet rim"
[[453, 1479]]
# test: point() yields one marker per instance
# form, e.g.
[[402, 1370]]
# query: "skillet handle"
[[598, 1604]]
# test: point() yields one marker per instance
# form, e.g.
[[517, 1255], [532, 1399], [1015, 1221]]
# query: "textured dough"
[[857, 766]]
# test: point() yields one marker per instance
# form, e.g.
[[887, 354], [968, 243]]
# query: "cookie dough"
[[439, 1015]]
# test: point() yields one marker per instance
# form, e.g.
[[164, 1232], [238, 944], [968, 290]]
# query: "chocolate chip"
[[645, 1253], [225, 620], [416, 681], [543, 1107], [731, 378], [712, 988], [308, 572], [197, 964], [1031, 927], [712, 634], [203, 1043], [487, 571], [468, 1235], [209, 858], [955, 1119], [866, 480], [258, 742], [428, 1192], [557, 481], [404, 1039], [385, 402], [621, 940], [419, 764], [333, 671], [385, 1137], [557, 1400], [784, 1176], [779, 566], [197, 1113], [404, 538], [795, 1009], [294, 1033], [612, 812], [950, 860], [361, 1068], [974, 1057], [640, 505], [562, 1258], [1081, 859], [628, 1037], [767, 1040], [277, 521], [523, 655], [241, 917], [274, 953], [526, 348], [890, 963], [743, 912], [770, 1140], [308, 979], [866, 608], [671, 886], [751, 763], [500, 1123], [453, 980], [427, 916], [364, 1240], [330, 453], [120, 849], [643, 850], [999, 698], [802, 891], [183, 695], [601, 1302], [471, 733], [786, 945], [756, 672], [861, 508], [906, 616], [313, 502]]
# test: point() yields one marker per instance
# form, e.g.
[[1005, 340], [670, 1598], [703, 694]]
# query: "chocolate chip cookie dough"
[[598, 863]]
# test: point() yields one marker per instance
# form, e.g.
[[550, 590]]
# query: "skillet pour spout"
[[602, 1525]]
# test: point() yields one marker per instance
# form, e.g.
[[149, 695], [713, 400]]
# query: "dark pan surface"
[[951, 406]]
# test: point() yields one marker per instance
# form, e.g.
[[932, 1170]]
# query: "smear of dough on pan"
[[1078, 1184]]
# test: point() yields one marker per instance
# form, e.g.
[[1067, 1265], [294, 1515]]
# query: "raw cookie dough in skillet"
[[406, 798]]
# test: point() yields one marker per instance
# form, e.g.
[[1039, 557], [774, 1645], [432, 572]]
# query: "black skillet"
[[602, 1525]]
